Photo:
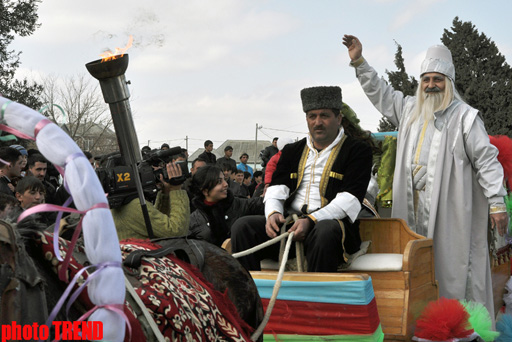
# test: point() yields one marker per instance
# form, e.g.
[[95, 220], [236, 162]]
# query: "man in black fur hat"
[[323, 178]]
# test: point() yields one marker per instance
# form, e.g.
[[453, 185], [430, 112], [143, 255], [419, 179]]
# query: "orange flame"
[[109, 55]]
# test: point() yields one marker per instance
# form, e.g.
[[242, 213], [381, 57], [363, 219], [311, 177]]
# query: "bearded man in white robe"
[[447, 180]]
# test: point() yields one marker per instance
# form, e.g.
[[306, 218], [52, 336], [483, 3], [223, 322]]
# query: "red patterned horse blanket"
[[182, 303]]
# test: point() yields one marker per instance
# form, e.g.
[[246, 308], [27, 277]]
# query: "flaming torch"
[[110, 72]]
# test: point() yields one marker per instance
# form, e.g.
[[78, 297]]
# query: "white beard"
[[427, 104]]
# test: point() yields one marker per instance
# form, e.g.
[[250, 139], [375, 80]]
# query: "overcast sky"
[[214, 69]]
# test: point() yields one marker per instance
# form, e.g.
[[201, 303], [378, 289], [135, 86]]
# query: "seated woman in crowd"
[[217, 207]]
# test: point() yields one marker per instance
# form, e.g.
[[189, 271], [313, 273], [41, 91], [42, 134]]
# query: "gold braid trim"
[[336, 175], [370, 207], [498, 208], [357, 62], [302, 165], [312, 218], [327, 170]]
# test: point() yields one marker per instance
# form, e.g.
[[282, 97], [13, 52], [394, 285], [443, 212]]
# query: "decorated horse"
[[43, 276]]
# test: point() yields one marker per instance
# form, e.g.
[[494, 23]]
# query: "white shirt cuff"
[[343, 205], [274, 199]]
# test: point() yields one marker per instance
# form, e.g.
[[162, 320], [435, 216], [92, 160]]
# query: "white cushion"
[[291, 265], [377, 262]]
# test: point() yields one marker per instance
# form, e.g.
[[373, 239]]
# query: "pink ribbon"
[[51, 207], [39, 126], [16, 132], [56, 228], [65, 204], [117, 308], [72, 283]]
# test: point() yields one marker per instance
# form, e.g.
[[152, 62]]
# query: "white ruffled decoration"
[[100, 236]]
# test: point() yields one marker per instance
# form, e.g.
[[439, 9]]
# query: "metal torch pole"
[[116, 94]]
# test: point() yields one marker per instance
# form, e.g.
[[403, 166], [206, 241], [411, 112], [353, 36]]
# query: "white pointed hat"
[[439, 59]]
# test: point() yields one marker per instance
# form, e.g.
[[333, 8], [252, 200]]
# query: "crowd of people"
[[26, 180], [444, 156], [210, 197], [448, 182]]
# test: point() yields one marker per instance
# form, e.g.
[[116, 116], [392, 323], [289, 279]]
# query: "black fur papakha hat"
[[321, 98]]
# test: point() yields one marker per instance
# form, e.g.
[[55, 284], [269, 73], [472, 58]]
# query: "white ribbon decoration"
[[100, 236]]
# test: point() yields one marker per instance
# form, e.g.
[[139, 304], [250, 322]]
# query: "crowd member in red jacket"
[[271, 167], [272, 163]]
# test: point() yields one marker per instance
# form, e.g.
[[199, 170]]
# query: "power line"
[[283, 130], [267, 135]]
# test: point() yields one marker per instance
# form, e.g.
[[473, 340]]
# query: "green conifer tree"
[[17, 17], [482, 75], [399, 80]]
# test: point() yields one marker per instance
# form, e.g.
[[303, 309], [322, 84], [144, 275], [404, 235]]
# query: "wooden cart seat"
[[401, 265]]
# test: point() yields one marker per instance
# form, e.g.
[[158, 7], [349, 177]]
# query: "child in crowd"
[[30, 192]]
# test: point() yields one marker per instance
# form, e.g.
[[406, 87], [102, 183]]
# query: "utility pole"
[[256, 146], [186, 142]]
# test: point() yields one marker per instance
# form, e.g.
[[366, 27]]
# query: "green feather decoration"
[[480, 320]]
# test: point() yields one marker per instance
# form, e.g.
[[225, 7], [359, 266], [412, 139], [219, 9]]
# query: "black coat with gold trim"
[[347, 170]]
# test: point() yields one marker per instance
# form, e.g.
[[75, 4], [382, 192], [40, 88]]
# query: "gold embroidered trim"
[[335, 175], [370, 207], [327, 169], [293, 175], [416, 170], [302, 164], [498, 208], [357, 62], [313, 218], [420, 143], [272, 213]]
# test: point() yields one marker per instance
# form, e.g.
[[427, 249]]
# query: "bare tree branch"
[[88, 121]]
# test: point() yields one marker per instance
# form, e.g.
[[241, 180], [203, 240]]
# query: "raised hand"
[[354, 46]]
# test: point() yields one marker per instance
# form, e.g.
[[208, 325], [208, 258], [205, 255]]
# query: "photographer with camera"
[[169, 215]]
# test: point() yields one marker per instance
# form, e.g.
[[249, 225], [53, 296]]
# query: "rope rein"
[[275, 291], [283, 258]]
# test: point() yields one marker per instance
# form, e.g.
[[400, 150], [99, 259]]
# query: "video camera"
[[118, 182]]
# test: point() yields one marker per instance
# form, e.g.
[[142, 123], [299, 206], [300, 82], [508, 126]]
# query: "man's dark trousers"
[[322, 246]]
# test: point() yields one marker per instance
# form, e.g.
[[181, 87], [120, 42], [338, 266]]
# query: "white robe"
[[463, 178]]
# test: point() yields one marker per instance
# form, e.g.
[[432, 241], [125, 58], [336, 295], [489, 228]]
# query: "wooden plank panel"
[[382, 284], [391, 330], [387, 301], [310, 276], [391, 311], [394, 338], [420, 279], [389, 294], [383, 233], [500, 275], [383, 276], [416, 284]]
